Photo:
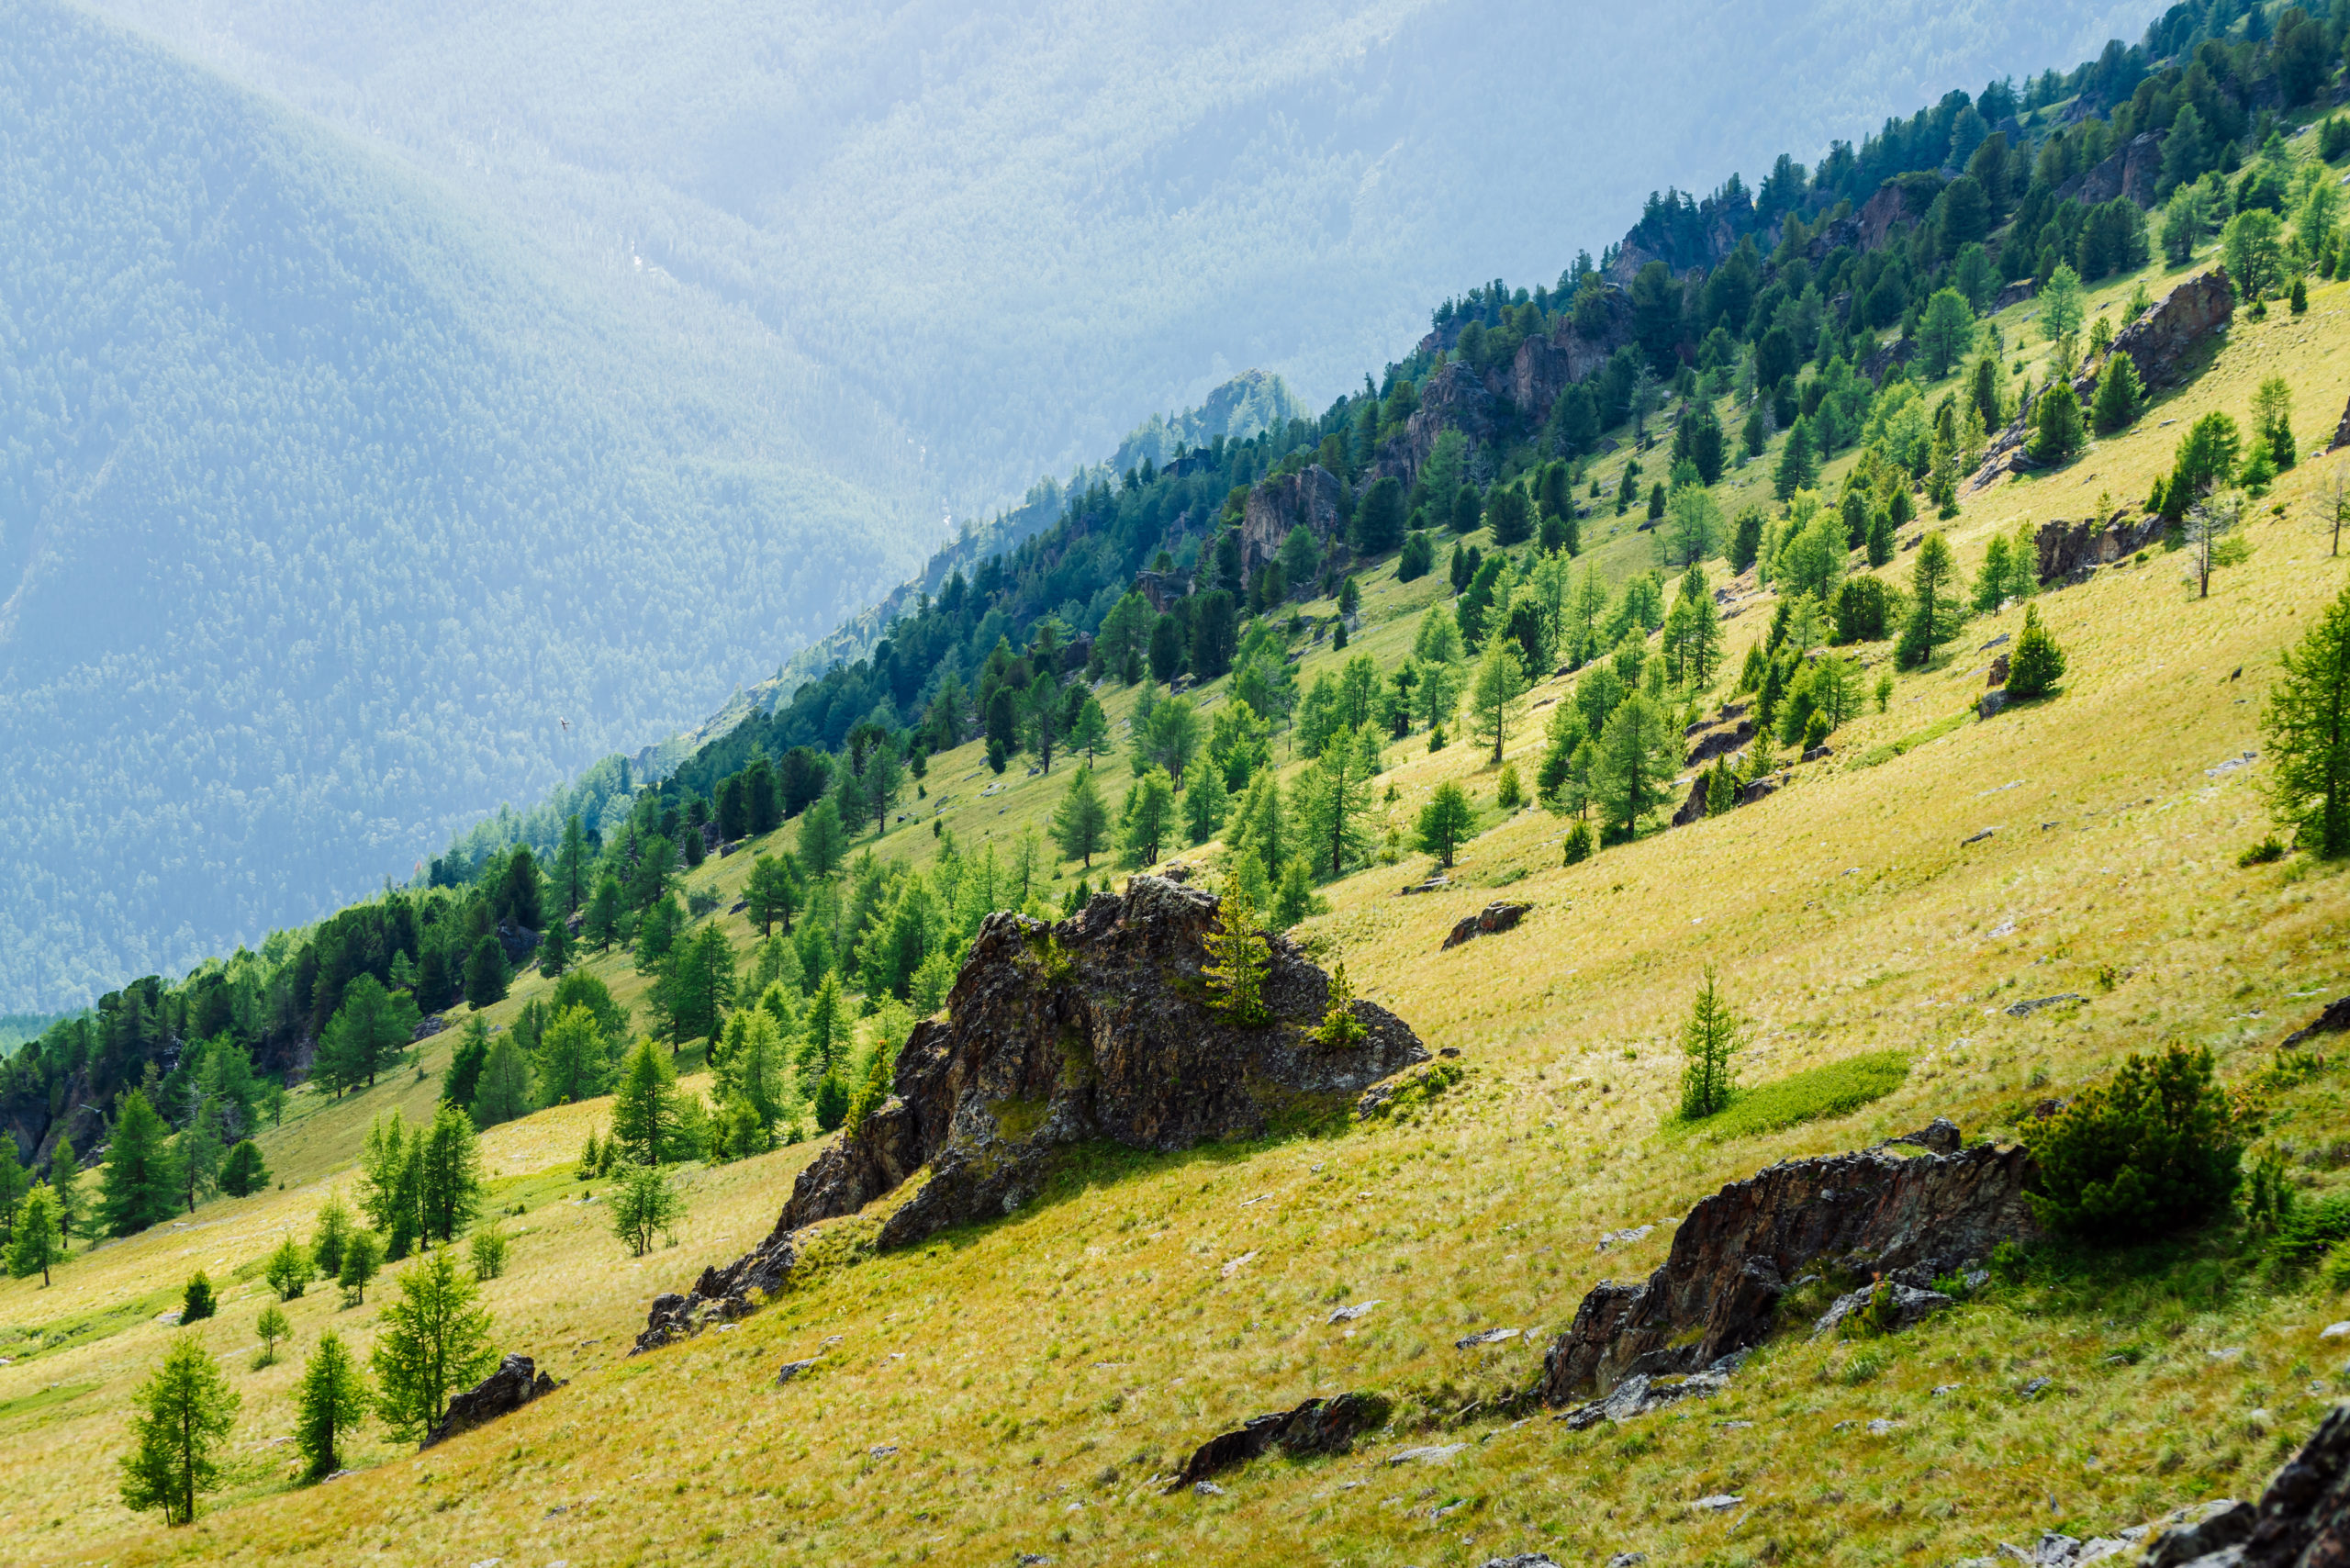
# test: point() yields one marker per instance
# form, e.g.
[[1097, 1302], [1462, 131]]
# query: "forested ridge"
[[322, 516], [1783, 338]]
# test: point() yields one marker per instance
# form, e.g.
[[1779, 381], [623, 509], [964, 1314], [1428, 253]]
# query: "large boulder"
[[1097, 1028], [1913, 1218], [515, 1383]]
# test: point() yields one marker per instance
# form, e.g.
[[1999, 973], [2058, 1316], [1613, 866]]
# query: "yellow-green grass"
[[1069, 1353]]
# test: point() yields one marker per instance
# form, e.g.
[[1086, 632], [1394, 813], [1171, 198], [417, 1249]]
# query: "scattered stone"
[[2026, 1009], [427, 1028], [1719, 1503], [1719, 740], [2341, 433], [1977, 838], [1349, 1314], [1998, 675], [1941, 1388], [1526, 1559], [1433, 885], [2334, 1330], [1994, 643], [1640, 1395], [881, 1450], [1817, 752], [790, 1369], [2191, 1534], [1881, 1427], [1207, 1489], [2032, 1389], [1760, 789], [1939, 1136], [1095, 1028], [1628, 1560], [1432, 1454], [2247, 760], [515, 1383], [1495, 917], [1490, 1337], [1692, 809], [1913, 1218], [2165, 337], [1622, 1237], [2334, 1019], [1911, 1305]]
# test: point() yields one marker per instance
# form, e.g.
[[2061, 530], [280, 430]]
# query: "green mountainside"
[[324, 513]]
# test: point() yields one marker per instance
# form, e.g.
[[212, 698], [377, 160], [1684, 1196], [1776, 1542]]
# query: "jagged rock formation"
[[2162, 340], [515, 1383], [1097, 1028], [1316, 1427], [1453, 399], [2341, 433], [1712, 741], [2070, 549], [2334, 1019], [1308, 498], [1692, 809], [1739, 1250], [2162, 343], [1544, 367], [2131, 172]]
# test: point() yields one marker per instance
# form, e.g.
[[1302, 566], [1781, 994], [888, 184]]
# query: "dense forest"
[[1782, 323], [322, 517]]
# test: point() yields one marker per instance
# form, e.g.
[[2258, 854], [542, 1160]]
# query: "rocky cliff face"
[[2165, 337], [1097, 1028], [2131, 172], [2067, 549], [1453, 399], [1544, 367], [1308, 498], [1739, 1250]]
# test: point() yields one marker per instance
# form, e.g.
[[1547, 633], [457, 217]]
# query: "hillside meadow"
[[1023, 1388]]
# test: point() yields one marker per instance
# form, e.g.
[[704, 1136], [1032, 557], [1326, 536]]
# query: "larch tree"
[[435, 1338], [2306, 722], [1639, 755], [329, 1406], [1494, 694], [140, 1183], [185, 1413], [1081, 823]]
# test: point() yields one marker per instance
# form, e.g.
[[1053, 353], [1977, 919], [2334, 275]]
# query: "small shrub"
[[2010, 1264], [1836, 1090], [1865, 1367], [2309, 1232], [2267, 851], [1578, 848], [1510, 793], [289, 1268], [199, 1302], [2156, 1148], [2038, 664], [2335, 1268]]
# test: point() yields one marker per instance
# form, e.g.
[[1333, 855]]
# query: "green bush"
[[2309, 1231], [198, 1303], [2158, 1148], [1836, 1090], [2038, 664]]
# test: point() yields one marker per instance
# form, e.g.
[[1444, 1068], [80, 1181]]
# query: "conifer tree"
[[1238, 961], [1709, 1040], [573, 867], [449, 1176], [332, 1234], [330, 1404], [504, 1091], [65, 1190], [1205, 802], [1444, 823], [361, 1256], [14, 1182], [2056, 424], [196, 1154], [1934, 618], [1335, 793], [1340, 1027], [2306, 722], [647, 1117], [603, 926], [372, 1030], [572, 1058], [825, 1031], [288, 1269], [433, 1339], [141, 1184], [269, 1328], [643, 1206], [486, 977], [243, 1173], [185, 1412], [462, 1078], [554, 949], [1494, 694], [1637, 757], [1147, 819], [2038, 664], [1081, 823], [772, 894], [35, 1241], [2121, 395], [198, 1302]]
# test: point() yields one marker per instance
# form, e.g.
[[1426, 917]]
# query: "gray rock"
[[2334, 1019], [1939, 1136], [1628, 1560], [1316, 1427], [1731, 1258], [1640, 1395], [2194, 1533], [1719, 1503], [1097, 1028], [1990, 705], [1490, 1337], [1495, 917], [1998, 673], [1622, 1237], [515, 1383], [2026, 1009], [1909, 1306], [1526, 1559], [790, 1369]]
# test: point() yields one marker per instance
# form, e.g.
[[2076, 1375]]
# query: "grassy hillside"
[[1015, 1388], [328, 515]]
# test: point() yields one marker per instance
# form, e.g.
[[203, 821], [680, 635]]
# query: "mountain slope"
[[320, 511]]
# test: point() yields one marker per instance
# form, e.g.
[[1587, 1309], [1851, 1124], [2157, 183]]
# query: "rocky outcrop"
[[2015, 293], [1546, 365], [1879, 362], [1897, 203], [2131, 172], [1719, 741], [1307, 499], [1453, 399], [1097, 1028], [1692, 809], [515, 1383], [2341, 433], [1316, 1427], [1913, 1218], [2067, 550], [2302, 1520], [2165, 340], [2334, 1019], [1162, 588], [1640, 1395], [1494, 917]]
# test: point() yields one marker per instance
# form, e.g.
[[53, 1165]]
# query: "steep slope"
[[1025, 1385], [325, 517], [1023, 228]]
